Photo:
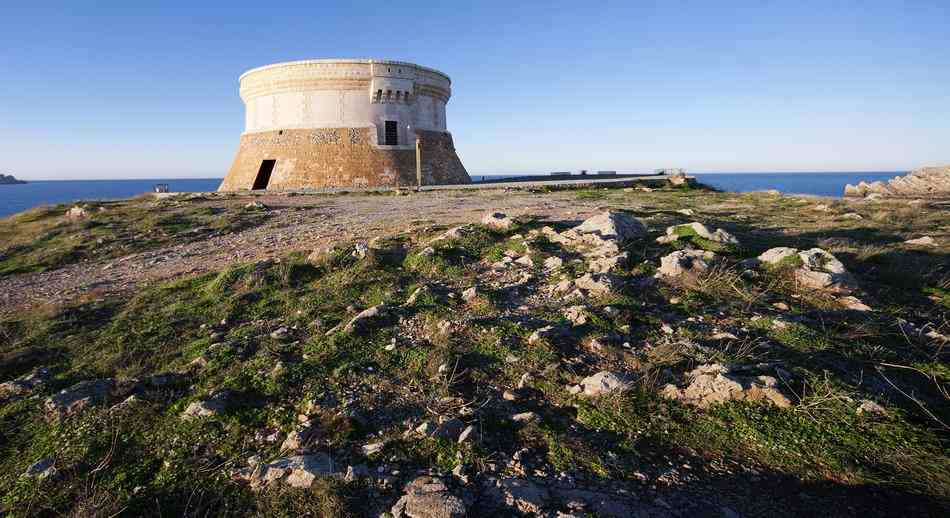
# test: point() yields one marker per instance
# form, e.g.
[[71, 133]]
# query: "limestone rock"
[[297, 471], [421, 291], [602, 235], [607, 263], [497, 221], [212, 406], [41, 469], [373, 448], [365, 319], [613, 225], [716, 383], [76, 213], [777, 255], [821, 270], [26, 384], [577, 315], [605, 382], [599, 284], [525, 417], [553, 263], [923, 182], [685, 263], [719, 236], [428, 497], [522, 496], [921, 241], [470, 294], [601, 504], [547, 334], [78, 397], [854, 303], [300, 438]]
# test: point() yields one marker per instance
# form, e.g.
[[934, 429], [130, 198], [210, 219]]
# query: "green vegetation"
[[44, 239], [174, 344]]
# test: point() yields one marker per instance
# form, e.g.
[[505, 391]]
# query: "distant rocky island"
[[9, 179]]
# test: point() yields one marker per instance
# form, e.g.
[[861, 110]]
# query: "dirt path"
[[296, 223]]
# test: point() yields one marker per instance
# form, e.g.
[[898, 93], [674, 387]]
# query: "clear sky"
[[115, 89]]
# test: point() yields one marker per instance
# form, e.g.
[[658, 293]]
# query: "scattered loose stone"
[[605, 382], [212, 406], [470, 294], [373, 448], [525, 417], [43, 468], [298, 471], [300, 438], [75, 213], [685, 263], [364, 319], [821, 270], [577, 315], [716, 383], [854, 303], [599, 284], [497, 221], [553, 263], [523, 496], [421, 291], [870, 407], [466, 434], [428, 497]]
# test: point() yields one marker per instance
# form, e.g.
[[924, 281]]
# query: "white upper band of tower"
[[329, 93]]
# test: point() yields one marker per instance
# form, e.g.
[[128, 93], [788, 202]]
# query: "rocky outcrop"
[[685, 263], [814, 269], [26, 384], [923, 182], [298, 471], [717, 383], [428, 497], [78, 397]]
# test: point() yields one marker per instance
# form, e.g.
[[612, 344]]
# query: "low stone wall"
[[341, 157]]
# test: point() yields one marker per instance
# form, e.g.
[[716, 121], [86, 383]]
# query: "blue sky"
[[118, 90]]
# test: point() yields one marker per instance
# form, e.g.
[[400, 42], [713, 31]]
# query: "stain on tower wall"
[[341, 157]]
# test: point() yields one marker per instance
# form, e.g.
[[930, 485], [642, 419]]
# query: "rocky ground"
[[577, 353]]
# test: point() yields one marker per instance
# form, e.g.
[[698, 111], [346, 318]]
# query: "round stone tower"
[[344, 123]]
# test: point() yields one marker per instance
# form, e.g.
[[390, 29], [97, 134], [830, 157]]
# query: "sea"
[[17, 198]]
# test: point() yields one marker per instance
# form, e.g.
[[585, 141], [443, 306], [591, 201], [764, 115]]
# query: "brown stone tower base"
[[339, 157]]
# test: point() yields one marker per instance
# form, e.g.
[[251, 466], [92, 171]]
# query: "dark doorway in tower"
[[392, 133], [263, 175]]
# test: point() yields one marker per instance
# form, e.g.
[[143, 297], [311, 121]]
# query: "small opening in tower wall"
[[392, 133], [263, 175]]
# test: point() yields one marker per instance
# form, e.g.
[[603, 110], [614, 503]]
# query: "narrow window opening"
[[263, 175], [398, 95], [392, 133], [379, 94], [389, 95]]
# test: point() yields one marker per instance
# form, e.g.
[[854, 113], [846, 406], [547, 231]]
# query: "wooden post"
[[418, 164]]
